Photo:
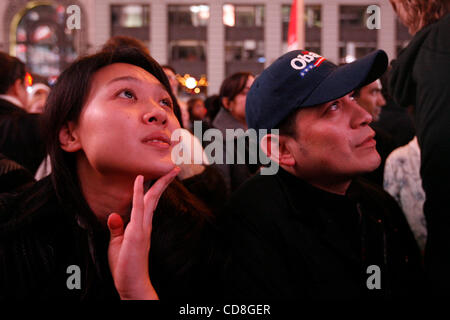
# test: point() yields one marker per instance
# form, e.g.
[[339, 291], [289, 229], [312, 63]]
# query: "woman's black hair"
[[233, 85]]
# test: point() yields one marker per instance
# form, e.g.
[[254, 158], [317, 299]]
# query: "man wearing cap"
[[314, 229]]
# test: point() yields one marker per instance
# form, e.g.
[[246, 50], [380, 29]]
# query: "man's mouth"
[[368, 142]]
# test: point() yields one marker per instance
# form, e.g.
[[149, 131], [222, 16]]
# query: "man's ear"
[[68, 138], [275, 147]]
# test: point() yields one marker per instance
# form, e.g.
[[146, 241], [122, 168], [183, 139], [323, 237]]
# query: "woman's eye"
[[128, 94], [166, 103]]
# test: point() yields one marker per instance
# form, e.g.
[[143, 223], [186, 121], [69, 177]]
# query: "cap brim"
[[349, 77]]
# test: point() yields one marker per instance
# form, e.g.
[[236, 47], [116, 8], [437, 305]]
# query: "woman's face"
[[237, 105], [199, 110], [126, 123]]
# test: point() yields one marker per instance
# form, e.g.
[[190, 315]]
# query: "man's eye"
[[333, 107], [127, 94]]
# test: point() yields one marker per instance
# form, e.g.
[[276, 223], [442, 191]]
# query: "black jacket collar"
[[321, 210]]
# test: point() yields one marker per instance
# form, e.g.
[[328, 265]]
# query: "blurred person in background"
[[172, 75], [395, 120], [233, 95], [197, 111], [20, 135], [37, 98], [402, 181], [420, 78], [212, 104], [371, 99]]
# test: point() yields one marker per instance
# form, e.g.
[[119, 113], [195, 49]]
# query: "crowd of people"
[[356, 210]]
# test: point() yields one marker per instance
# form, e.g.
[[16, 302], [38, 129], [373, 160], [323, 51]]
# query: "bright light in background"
[[349, 59], [228, 15], [191, 83], [41, 33], [197, 90], [28, 82], [350, 49]]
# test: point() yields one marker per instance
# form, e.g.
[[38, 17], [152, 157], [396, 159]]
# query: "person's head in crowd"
[[108, 119], [196, 108], [172, 75], [212, 105], [370, 97], [124, 42], [37, 98], [233, 94], [416, 14], [119, 42], [324, 135], [12, 79]]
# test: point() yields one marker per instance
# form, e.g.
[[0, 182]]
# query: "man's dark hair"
[[288, 127], [11, 69]]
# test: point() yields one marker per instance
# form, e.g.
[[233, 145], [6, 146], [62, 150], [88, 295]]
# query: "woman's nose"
[[157, 115]]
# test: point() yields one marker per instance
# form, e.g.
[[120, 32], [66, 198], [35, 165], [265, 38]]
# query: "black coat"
[[40, 237], [421, 77], [20, 136], [13, 176], [293, 241]]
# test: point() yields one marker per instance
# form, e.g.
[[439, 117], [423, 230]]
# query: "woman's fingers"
[[154, 193], [115, 225], [137, 212]]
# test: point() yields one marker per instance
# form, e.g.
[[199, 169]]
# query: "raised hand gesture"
[[128, 251]]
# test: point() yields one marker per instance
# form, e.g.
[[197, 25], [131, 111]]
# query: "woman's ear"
[[226, 103], [68, 138], [276, 148]]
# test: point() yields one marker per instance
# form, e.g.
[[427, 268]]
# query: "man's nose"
[[380, 100]]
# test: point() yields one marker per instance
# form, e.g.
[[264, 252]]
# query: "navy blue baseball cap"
[[301, 79]]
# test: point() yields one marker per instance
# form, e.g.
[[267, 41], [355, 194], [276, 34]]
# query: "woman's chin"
[[157, 172]]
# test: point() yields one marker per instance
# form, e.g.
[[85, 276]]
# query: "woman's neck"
[[105, 194]]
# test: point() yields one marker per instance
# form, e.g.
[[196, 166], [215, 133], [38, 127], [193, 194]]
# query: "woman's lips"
[[161, 142]]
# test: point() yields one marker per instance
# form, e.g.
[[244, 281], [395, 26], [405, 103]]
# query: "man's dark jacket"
[[291, 240], [421, 77], [20, 136]]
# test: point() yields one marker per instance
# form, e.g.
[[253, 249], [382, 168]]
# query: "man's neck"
[[337, 185]]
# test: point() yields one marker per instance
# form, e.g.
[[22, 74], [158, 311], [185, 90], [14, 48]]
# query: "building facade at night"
[[214, 38]]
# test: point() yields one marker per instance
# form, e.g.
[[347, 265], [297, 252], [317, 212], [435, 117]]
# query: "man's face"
[[333, 141], [371, 99]]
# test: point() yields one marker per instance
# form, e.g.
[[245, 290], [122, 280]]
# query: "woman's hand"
[[128, 251]]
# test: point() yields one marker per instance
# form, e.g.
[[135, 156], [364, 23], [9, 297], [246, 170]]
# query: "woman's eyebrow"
[[130, 78], [124, 78]]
